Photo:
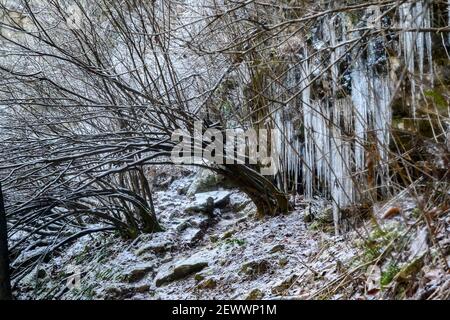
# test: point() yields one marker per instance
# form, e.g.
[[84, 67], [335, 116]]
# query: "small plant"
[[378, 240], [233, 241], [416, 213], [388, 275]]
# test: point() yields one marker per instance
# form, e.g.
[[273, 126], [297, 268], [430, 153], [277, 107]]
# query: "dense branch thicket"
[[91, 93]]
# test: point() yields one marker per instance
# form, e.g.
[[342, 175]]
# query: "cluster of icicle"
[[332, 161]]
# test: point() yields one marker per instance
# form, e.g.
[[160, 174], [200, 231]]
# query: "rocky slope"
[[214, 248]]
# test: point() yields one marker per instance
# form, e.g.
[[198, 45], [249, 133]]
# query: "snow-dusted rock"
[[255, 268], [206, 202], [157, 246], [238, 201], [192, 235], [118, 292], [283, 286], [138, 272], [204, 180], [181, 270], [255, 294]]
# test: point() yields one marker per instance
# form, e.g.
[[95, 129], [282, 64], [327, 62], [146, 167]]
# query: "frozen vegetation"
[[355, 97]]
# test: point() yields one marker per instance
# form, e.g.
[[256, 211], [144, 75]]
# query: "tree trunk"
[[268, 199], [5, 281]]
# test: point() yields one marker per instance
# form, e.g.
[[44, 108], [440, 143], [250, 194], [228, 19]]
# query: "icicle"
[[416, 45]]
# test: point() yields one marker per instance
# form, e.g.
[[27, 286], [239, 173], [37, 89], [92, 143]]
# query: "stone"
[[249, 210], [213, 238], [192, 235], [325, 215], [283, 262], [199, 277], [207, 201], [208, 284], [277, 248], [255, 294], [156, 247], [138, 272], [320, 211], [228, 234], [238, 201], [180, 270], [125, 292], [183, 226], [284, 285], [255, 268], [204, 180]]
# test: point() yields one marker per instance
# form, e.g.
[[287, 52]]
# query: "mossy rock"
[[284, 285], [283, 262], [255, 294], [208, 284], [410, 270], [228, 234], [254, 268], [277, 248], [199, 277]]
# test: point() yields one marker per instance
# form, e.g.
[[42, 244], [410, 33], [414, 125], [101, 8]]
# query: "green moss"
[[377, 242], [416, 213], [239, 242], [388, 275], [437, 98]]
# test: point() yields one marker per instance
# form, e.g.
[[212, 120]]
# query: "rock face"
[[206, 202], [180, 270]]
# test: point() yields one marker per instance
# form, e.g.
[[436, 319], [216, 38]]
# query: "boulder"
[[238, 201], [180, 270], [204, 180], [138, 272], [206, 202], [318, 211]]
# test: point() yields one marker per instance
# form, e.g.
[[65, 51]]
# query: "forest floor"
[[230, 254]]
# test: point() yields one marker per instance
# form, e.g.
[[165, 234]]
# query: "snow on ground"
[[227, 254]]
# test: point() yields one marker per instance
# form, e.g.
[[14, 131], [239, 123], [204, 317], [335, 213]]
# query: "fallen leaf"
[[373, 280], [391, 212]]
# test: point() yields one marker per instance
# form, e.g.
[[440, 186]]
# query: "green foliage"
[[437, 98], [416, 213], [388, 275], [377, 242], [239, 242]]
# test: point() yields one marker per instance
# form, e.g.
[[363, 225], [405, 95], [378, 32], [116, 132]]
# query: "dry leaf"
[[391, 212]]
